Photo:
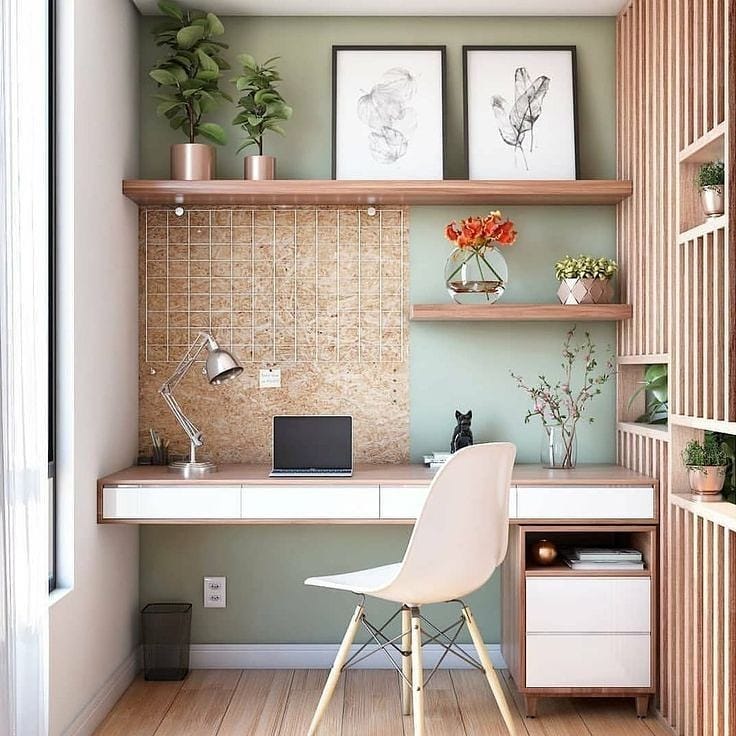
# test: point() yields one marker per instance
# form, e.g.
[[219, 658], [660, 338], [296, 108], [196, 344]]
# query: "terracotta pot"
[[260, 167], [706, 481], [585, 291], [192, 161]]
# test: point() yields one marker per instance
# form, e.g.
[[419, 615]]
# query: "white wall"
[[94, 624]]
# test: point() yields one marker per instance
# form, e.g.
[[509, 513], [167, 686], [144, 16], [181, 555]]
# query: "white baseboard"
[[311, 656], [103, 700]]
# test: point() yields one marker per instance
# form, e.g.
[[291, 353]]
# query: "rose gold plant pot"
[[192, 161], [706, 481], [585, 291], [260, 168]]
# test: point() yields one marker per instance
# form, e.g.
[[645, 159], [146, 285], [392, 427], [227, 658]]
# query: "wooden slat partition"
[[675, 78]]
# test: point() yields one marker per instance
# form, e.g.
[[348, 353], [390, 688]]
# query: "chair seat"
[[373, 580]]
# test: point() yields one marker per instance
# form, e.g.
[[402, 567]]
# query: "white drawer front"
[[310, 502], [588, 605], [588, 660], [172, 502], [120, 502], [402, 502], [624, 502]]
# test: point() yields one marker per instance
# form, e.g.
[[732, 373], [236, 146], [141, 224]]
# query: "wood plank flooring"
[[366, 703]]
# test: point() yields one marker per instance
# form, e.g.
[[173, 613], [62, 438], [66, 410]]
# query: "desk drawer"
[[402, 502], [171, 502], [310, 502], [594, 502], [588, 605], [588, 660]]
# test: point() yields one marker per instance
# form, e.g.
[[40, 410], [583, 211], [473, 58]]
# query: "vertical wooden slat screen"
[[675, 78]]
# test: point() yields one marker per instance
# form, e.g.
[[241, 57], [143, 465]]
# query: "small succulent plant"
[[585, 267], [711, 174]]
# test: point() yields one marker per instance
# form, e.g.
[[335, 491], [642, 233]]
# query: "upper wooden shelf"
[[330, 192], [520, 312]]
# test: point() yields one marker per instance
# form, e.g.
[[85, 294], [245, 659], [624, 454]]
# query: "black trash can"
[[166, 636]]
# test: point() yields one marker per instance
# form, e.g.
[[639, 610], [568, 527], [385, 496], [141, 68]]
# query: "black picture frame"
[[336, 49], [501, 47]]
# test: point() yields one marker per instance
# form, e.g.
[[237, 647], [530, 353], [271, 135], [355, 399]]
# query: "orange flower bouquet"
[[476, 270]]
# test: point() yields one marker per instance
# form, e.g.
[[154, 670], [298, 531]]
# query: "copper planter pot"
[[192, 161], [260, 168], [585, 291], [706, 481]]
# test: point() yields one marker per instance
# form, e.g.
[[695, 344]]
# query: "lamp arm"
[[168, 386]]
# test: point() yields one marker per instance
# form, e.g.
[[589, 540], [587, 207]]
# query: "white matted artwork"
[[388, 118], [520, 116]]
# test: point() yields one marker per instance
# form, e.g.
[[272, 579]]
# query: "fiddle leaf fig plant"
[[189, 75], [655, 388], [261, 105]]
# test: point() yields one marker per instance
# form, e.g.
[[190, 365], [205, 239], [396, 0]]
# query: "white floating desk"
[[375, 494]]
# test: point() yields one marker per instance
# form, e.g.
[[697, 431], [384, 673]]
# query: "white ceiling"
[[406, 7]]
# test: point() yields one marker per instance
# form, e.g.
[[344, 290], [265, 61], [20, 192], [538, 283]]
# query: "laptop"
[[312, 446]]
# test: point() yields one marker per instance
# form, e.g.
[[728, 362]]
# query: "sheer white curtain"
[[23, 368]]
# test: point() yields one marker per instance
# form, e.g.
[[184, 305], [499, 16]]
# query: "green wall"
[[452, 365]]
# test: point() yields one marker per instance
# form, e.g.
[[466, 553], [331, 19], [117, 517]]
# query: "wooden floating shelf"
[[708, 147], [330, 192], [520, 312]]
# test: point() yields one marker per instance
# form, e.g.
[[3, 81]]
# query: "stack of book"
[[596, 558], [437, 459]]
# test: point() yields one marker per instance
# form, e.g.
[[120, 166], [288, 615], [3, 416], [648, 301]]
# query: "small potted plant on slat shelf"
[[262, 108], [706, 464], [188, 78], [711, 178], [585, 279]]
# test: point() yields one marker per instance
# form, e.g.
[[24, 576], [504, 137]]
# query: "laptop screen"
[[312, 443]]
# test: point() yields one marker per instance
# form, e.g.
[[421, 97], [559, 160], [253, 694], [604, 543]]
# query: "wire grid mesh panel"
[[276, 285]]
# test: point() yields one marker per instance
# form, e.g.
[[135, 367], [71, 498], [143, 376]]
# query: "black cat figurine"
[[462, 436]]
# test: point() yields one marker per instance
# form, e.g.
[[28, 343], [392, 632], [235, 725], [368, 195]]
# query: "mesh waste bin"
[[166, 635]]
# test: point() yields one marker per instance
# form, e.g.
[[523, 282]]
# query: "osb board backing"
[[320, 293]]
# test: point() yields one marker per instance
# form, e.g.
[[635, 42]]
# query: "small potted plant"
[[655, 389], [706, 464], [476, 270], [711, 178], [585, 279], [189, 78], [261, 109]]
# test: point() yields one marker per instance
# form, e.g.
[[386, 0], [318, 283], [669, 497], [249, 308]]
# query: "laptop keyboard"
[[312, 471]]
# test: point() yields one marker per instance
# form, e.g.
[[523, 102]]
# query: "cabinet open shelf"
[[520, 312], [329, 192], [560, 569]]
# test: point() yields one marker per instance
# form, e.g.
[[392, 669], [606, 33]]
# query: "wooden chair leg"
[[342, 656], [417, 673], [490, 673], [406, 680]]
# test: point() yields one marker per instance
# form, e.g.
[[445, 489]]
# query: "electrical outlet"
[[214, 592]]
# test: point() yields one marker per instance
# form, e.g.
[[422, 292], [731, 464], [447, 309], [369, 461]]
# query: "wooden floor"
[[366, 703]]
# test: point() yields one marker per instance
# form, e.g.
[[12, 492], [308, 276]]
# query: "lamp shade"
[[221, 366]]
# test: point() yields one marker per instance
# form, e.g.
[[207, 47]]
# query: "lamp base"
[[191, 469]]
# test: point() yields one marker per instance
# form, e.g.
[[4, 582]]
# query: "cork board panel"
[[320, 293]]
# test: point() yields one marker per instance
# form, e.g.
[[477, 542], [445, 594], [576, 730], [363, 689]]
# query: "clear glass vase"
[[558, 447], [476, 275]]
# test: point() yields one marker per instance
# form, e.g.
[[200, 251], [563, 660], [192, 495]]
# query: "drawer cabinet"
[[588, 605], [310, 502], [171, 501], [588, 660], [402, 502], [596, 502]]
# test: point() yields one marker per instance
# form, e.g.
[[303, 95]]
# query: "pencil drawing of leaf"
[[514, 124], [388, 114]]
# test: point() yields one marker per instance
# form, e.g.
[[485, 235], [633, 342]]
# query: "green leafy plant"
[[190, 73], [656, 392], [707, 453], [585, 267], [711, 174], [728, 444], [261, 105]]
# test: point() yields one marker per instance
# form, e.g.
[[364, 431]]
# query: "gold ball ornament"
[[544, 552]]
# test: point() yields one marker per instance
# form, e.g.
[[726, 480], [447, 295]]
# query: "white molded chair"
[[459, 539]]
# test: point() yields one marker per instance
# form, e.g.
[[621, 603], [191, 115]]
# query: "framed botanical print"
[[388, 114], [520, 112]]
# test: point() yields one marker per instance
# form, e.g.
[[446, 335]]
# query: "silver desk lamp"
[[220, 366]]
